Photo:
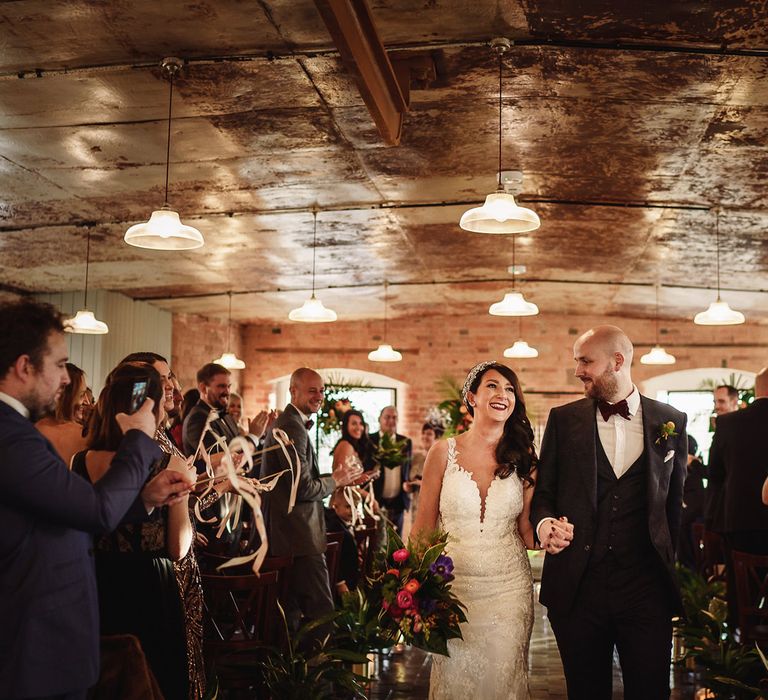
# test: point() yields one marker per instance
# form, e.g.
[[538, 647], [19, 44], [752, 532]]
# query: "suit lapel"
[[584, 448], [655, 464], [310, 454]]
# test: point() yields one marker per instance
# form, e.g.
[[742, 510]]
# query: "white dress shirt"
[[622, 439], [15, 404]]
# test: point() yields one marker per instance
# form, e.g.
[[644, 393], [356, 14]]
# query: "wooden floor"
[[406, 675]]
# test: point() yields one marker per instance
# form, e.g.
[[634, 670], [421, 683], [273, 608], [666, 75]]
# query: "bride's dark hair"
[[515, 452]]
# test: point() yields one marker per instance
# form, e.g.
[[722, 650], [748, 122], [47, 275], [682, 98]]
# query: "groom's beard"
[[604, 387]]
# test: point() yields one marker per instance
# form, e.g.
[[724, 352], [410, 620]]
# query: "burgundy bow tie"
[[308, 425], [619, 408]]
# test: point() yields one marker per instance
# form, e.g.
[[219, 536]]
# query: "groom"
[[607, 509]]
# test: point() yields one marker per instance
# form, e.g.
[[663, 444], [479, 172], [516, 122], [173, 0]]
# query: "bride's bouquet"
[[411, 588]]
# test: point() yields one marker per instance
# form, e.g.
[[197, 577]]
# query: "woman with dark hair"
[[478, 488], [64, 428], [138, 592], [354, 443]]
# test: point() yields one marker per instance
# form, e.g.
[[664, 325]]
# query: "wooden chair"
[[366, 548], [241, 617], [333, 557], [713, 566], [751, 579]]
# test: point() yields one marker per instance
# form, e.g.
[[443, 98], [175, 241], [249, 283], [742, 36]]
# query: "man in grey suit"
[[301, 533], [607, 509]]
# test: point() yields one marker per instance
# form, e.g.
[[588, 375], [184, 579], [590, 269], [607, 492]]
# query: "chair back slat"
[[751, 577]]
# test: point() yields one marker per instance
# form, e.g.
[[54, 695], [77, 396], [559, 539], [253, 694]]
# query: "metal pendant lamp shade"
[[385, 352], [500, 213], [718, 313], [513, 303], [521, 350], [313, 310], [164, 230], [229, 359], [84, 322]]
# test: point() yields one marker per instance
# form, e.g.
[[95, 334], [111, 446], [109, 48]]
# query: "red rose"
[[395, 611], [404, 599], [400, 555]]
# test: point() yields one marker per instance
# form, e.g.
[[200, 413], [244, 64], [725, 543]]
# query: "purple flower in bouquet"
[[443, 567], [428, 606]]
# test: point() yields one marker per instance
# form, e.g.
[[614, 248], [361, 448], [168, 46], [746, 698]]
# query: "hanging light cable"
[[718, 313], [513, 303], [385, 352], [84, 322], [164, 230], [228, 359], [500, 213], [658, 355], [312, 310]]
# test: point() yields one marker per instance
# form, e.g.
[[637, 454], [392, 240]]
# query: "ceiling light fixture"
[[84, 322], [164, 230], [229, 359], [513, 303], [385, 352], [520, 350], [657, 355], [500, 213], [313, 311], [718, 313]]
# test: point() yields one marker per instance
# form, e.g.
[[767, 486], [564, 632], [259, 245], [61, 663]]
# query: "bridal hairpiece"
[[477, 369]]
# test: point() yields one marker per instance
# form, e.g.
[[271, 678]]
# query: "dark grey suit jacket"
[[566, 484], [302, 532], [49, 614], [738, 466]]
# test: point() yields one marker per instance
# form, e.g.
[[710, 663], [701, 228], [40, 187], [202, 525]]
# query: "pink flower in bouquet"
[[412, 586], [400, 555], [405, 599], [395, 611], [417, 626]]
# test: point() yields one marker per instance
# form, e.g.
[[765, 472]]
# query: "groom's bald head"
[[611, 340]]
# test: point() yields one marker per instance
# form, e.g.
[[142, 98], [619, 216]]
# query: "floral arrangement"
[[390, 452], [335, 403], [411, 589], [666, 431], [456, 418]]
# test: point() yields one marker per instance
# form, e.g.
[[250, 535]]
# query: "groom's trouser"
[[625, 607], [308, 594]]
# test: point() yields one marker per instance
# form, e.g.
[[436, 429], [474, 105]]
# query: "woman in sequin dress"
[[478, 488]]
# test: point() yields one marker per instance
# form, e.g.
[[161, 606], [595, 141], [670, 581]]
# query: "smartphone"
[[138, 395]]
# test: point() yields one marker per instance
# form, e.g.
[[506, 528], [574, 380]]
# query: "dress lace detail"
[[493, 579]]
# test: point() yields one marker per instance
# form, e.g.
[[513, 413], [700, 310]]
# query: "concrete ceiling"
[[630, 121]]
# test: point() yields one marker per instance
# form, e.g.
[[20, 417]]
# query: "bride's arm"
[[524, 526], [431, 486]]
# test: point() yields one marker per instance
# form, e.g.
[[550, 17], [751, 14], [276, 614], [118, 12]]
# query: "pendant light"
[[513, 303], [385, 352], [657, 355], [500, 213], [84, 322], [229, 359], [164, 230], [313, 311], [520, 350], [718, 313]]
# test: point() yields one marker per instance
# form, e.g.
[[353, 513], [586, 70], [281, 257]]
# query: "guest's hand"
[[558, 535], [167, 488], [144, 419], [347, 473], [258, 424], [365, 477]]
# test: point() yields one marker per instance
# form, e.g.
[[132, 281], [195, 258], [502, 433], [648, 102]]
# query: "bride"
[[478, 488]]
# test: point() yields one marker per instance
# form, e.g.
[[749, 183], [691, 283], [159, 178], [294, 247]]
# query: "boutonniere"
[[666, 431]]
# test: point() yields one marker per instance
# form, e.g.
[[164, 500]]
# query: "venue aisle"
[[406, 675]]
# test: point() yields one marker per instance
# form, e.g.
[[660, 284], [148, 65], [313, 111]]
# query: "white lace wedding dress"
[[493, 579]]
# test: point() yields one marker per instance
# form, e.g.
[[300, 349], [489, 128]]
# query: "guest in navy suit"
[[49, 636]]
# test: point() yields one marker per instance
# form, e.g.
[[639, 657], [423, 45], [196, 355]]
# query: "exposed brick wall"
[[438, 345], [198, 340]]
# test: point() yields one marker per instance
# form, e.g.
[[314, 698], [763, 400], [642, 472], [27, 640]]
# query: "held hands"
[[556, 535], [144, 419]]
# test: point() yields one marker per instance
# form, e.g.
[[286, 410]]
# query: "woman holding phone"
[[138, 592]]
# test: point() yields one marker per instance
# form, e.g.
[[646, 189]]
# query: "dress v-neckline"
[[483, 499]]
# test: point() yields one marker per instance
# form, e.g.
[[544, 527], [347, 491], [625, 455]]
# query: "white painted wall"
[[134, 326]]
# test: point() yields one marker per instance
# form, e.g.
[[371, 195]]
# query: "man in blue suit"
[[49, 626]]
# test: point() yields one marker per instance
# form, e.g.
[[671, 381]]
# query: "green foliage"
[[295, 674], [358, 626], [728, 669], [390, 452], [456, 416]]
